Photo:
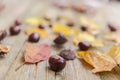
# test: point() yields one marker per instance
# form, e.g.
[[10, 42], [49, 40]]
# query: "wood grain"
[[74, 70]]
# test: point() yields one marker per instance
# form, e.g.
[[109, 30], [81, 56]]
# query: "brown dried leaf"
[[100, 62], [4, 49]]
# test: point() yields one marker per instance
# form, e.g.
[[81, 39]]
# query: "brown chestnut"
[[112, 28], [60, 40], [70, 23], [84, 46], [57, 63], [34, 37], [15, 30], [3, 34], [18, 22], [50, 25], [41, 26], [68, 54], [84, 28]]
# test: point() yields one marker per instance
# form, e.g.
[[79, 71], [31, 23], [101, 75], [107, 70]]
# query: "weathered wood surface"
[[75, 70]]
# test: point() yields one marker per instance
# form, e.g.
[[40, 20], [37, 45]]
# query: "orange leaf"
[[34, 54], [4, 49], [100, 62]]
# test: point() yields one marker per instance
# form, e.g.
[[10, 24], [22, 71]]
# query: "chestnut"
[[50, 25], [68, 54], [60, 40], [112, 28], [18, 22], [41, 26], [70, 23], [34, 37], [57, 63], [84, 28], [84, 46], [14, 30], [3, 34]]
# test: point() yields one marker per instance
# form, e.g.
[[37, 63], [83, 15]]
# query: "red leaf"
[[34, 54]]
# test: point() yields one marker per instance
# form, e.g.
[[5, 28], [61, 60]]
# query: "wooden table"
[[75, 70]]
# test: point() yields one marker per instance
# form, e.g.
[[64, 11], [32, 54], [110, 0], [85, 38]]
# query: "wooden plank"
[[108, 17], [8, 60], [29, 71], [12, 11], [75, 70]]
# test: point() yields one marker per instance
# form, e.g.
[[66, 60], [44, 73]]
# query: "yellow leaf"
[[74, 32], [89, 38], [36, 21], [87, 22], [85, 56], [97, 43], [100, 62], [42, 32], [113, 37], [83, 37], [60, 28], [115, 53]]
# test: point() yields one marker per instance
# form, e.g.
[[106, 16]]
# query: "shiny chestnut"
[[67, 54], [60, 40], [84, 28], [15, 30], [57, 63], [3, 34], [84, 46], [18, 22], [41, 26], [112, 28], [34, 37]]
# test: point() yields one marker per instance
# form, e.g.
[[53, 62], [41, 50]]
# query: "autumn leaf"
[[60, 28], [93, 31], [66, 19], [42, 32], [100, 62], [89, 38], [34, 54], [115, 53], [4, 49], [113, 37], [35, 21], [86, 56], [89, 23], [83, 37], [74, 32], [98, 43]]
